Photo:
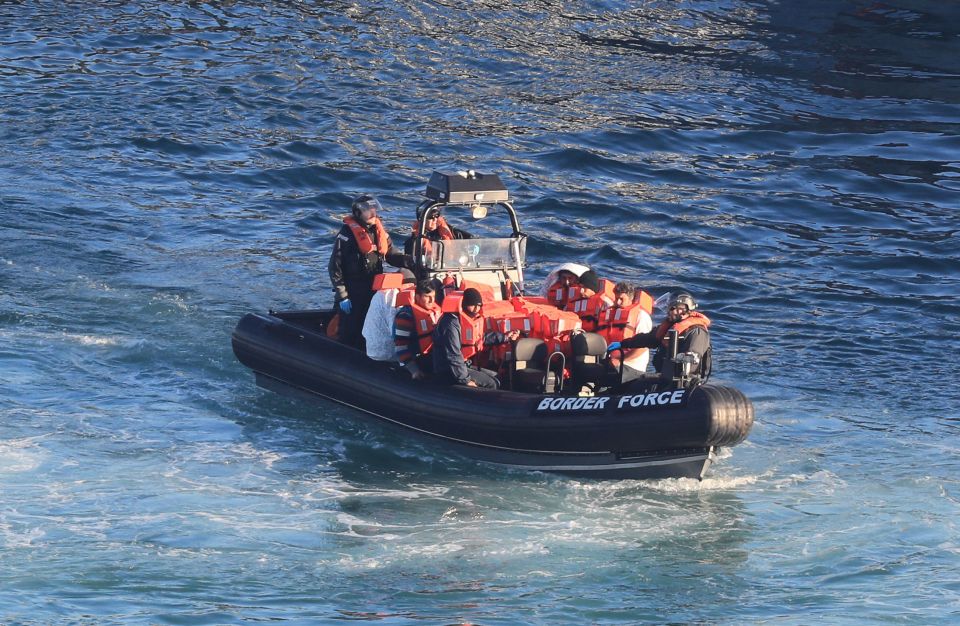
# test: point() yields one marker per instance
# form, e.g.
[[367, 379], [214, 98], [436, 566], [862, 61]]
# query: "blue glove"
[[345, 306], [613, 346]]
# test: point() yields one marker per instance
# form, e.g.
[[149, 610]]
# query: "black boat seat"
[[528, 370], [588, 367]]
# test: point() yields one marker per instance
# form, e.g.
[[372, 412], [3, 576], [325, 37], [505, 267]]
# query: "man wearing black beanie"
[[591, 302], [472, 297], [590, 280], [449, 365]]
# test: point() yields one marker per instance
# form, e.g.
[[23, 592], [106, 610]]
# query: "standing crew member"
[[358, 254], [458, 337], [413, 328], [693, 337]]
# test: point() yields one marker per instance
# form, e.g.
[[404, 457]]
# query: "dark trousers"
[[485, 379], [351, 326]]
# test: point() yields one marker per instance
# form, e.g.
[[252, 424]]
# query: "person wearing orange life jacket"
[[629, 315], [693, 337], [413, 328], [591, 303], [436, 229], [563, 284], [358, 253], [459, 335]]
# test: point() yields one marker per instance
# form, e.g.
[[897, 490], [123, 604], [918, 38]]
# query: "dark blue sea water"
[[166, 167]]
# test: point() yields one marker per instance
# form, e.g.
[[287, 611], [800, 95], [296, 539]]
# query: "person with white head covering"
[[561, 284], [378, 324]]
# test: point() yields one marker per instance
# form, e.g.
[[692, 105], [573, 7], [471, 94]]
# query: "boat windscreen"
[[478, 254]]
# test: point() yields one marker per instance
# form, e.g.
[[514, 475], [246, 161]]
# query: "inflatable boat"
[[559, 409]]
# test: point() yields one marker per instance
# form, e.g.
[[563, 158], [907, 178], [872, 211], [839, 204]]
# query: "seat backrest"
[[528, 371], [588, 347], [589, 350], [530, 352]]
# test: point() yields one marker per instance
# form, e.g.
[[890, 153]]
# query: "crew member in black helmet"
[[359, 250], [693, 337]]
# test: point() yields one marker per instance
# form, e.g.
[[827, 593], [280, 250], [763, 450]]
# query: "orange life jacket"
[[695, 318], [471, 329], [445, 231], [362, 235], [389, 280], [471, 335], [426, 246], [645, 300], [590, 309], [425, 321], [618, 323], [558, 295], [487, 292]]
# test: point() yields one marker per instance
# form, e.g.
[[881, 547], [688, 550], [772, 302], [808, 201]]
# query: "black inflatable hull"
[[670, 434]]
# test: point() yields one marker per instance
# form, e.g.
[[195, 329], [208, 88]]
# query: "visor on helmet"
[[683, 299], [367, 205]]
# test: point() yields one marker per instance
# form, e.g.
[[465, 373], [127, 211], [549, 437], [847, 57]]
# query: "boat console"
[[495, 261]]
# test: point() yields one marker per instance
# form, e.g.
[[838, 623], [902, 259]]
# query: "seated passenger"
[[693, 338], [412, 330], [591, 303], [561, 285], [629, 315], [378, 324], [459, 336], [437, 229]]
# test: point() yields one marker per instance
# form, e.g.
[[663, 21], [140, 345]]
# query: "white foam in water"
[[172, 298], [92, 340], [220, 452], [356, 527], [94, 284], [20, 455], [710, 483], [11, 538], [76, 338]]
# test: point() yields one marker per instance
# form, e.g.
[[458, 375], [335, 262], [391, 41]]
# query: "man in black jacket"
[[449, 366], [359, 250]]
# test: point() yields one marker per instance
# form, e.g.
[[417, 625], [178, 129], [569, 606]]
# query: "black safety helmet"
[[433, 209], [685, 299], [364, 202]]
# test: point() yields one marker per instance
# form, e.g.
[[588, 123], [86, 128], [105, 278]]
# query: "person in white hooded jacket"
[[378, 324]]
